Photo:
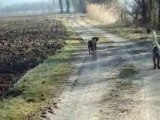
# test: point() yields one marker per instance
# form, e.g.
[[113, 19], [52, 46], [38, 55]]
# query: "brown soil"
[[24, 43]]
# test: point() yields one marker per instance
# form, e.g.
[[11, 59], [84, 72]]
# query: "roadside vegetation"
[[35, 89], [129, 20], [128, 32]]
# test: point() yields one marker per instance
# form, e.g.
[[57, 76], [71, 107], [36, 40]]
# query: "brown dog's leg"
[[95, 46], [154, 62], [158, 60], [89, 51]]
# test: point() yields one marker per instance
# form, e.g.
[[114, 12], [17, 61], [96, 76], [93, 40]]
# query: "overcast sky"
[[9, 2]]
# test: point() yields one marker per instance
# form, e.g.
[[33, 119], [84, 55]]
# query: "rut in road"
[[81, 100]]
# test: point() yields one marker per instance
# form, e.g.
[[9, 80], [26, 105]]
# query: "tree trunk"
[[150, 12], [144, 13], [82, 6], [159, 14], [68, 6], [61, 6], [79, 6]]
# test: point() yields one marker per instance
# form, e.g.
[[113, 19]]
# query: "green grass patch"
[[127, 32], [39, 85], [128, 71]]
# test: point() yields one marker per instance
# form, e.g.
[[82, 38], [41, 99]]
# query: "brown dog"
[[156, 57], [156, 52], [92, 44]]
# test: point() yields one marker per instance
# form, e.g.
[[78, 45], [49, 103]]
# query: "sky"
[[10, 2], [4, 3]]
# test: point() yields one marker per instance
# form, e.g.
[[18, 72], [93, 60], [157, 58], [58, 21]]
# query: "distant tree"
[[25, 7], [0, 5], [68, 6], [142, 5], [82, 6], [79, 6], [142, 12], [61, 6], [159, 12], [100, 1]]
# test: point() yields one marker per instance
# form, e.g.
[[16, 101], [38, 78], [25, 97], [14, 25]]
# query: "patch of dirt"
[[128, 71], [122, 102]]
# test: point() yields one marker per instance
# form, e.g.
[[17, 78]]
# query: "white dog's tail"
[[155, 38]]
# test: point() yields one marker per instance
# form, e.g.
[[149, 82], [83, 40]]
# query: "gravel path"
[[93, 91]]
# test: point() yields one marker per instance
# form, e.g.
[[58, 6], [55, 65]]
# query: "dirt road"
[[94, 90]]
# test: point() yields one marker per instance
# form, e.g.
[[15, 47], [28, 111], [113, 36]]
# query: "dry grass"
[[104, 13]]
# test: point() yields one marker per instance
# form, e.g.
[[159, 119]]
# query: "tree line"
[[24, 7], [144, 13], [79, 6]]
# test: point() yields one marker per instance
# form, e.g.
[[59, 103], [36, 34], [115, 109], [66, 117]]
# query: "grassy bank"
[[128, 32], [32, 92], [125, 31]]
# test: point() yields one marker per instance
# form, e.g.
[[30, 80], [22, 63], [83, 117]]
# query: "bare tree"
[[142, 5], [159, 13], [68, 6], [142, 12], [61, 6], [79, 6], [82, 6]]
